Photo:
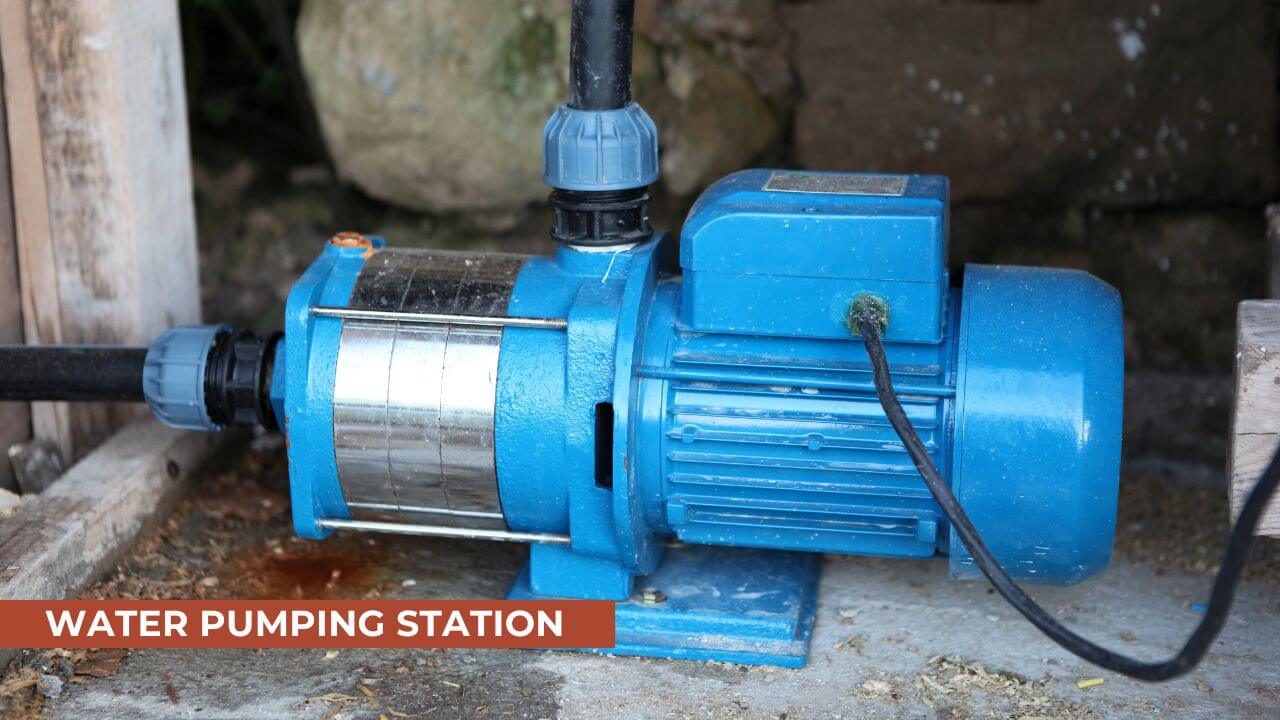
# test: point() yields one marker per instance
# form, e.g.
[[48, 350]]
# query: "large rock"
[[749, 33], [711, 121], [1117, 102], [439, 105], [1181, 274]]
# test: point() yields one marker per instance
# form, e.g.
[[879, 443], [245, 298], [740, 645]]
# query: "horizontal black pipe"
[[72, 373], [600, 54]]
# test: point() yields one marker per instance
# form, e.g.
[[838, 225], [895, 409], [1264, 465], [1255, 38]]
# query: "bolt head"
[[651, 596], [350, 240]]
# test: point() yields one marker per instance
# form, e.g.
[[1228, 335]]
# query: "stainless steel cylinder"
[[413, 403]]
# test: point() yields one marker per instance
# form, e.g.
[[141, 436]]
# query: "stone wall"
[[1135, 139], [1118, 103]]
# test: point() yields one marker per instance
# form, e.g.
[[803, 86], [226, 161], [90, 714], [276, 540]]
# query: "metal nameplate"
[[837, 184]]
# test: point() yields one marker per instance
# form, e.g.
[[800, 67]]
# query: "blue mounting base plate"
[[753, 607]]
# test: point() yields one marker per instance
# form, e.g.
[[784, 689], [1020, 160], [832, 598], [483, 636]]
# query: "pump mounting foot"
[[753, 607]]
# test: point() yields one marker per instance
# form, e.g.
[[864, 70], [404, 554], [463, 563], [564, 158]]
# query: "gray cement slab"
[[894, 638], [882, 624]]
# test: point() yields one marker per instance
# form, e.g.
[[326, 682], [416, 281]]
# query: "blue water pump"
[[599, 407], [684, 441]]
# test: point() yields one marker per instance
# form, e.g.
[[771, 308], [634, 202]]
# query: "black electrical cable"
[[868, 319]]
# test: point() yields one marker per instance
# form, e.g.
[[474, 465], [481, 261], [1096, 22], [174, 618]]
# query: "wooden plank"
[[40, 311], [64, 538], [102, 183], [15, 418], [1273, 250], [1255, 420]]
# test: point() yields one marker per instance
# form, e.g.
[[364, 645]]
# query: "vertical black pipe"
[[600, 43], [600, 54]]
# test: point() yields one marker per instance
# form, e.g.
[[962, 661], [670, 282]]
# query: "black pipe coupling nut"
[[600, 219], [238, 377]]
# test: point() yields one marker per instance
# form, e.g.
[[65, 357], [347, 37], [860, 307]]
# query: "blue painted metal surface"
[[552, 388], [732, 407], [1037, 449], [753, 607], [310, 363], [785, 263], [781, 443]]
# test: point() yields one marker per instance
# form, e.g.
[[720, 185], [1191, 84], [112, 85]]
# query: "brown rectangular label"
[[306, 623]]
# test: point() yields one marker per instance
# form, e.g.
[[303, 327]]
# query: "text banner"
[[306, 624]]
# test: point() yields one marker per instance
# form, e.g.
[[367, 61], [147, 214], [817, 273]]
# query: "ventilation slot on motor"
[[604, 445]]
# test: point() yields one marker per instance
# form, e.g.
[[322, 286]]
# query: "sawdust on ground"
[[959, 690], [1177, 526]]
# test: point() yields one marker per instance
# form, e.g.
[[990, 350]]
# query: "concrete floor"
[[893, 639], [880, 624]]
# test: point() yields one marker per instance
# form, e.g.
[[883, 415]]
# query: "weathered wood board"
[[1273, 250], [60, 541], [15, 418], [101, 183], [1255, 422]]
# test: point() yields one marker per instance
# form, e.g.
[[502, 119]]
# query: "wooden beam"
[[1273, 250], [63, 539], [15, 418], [1255, 420], [102, 183]]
